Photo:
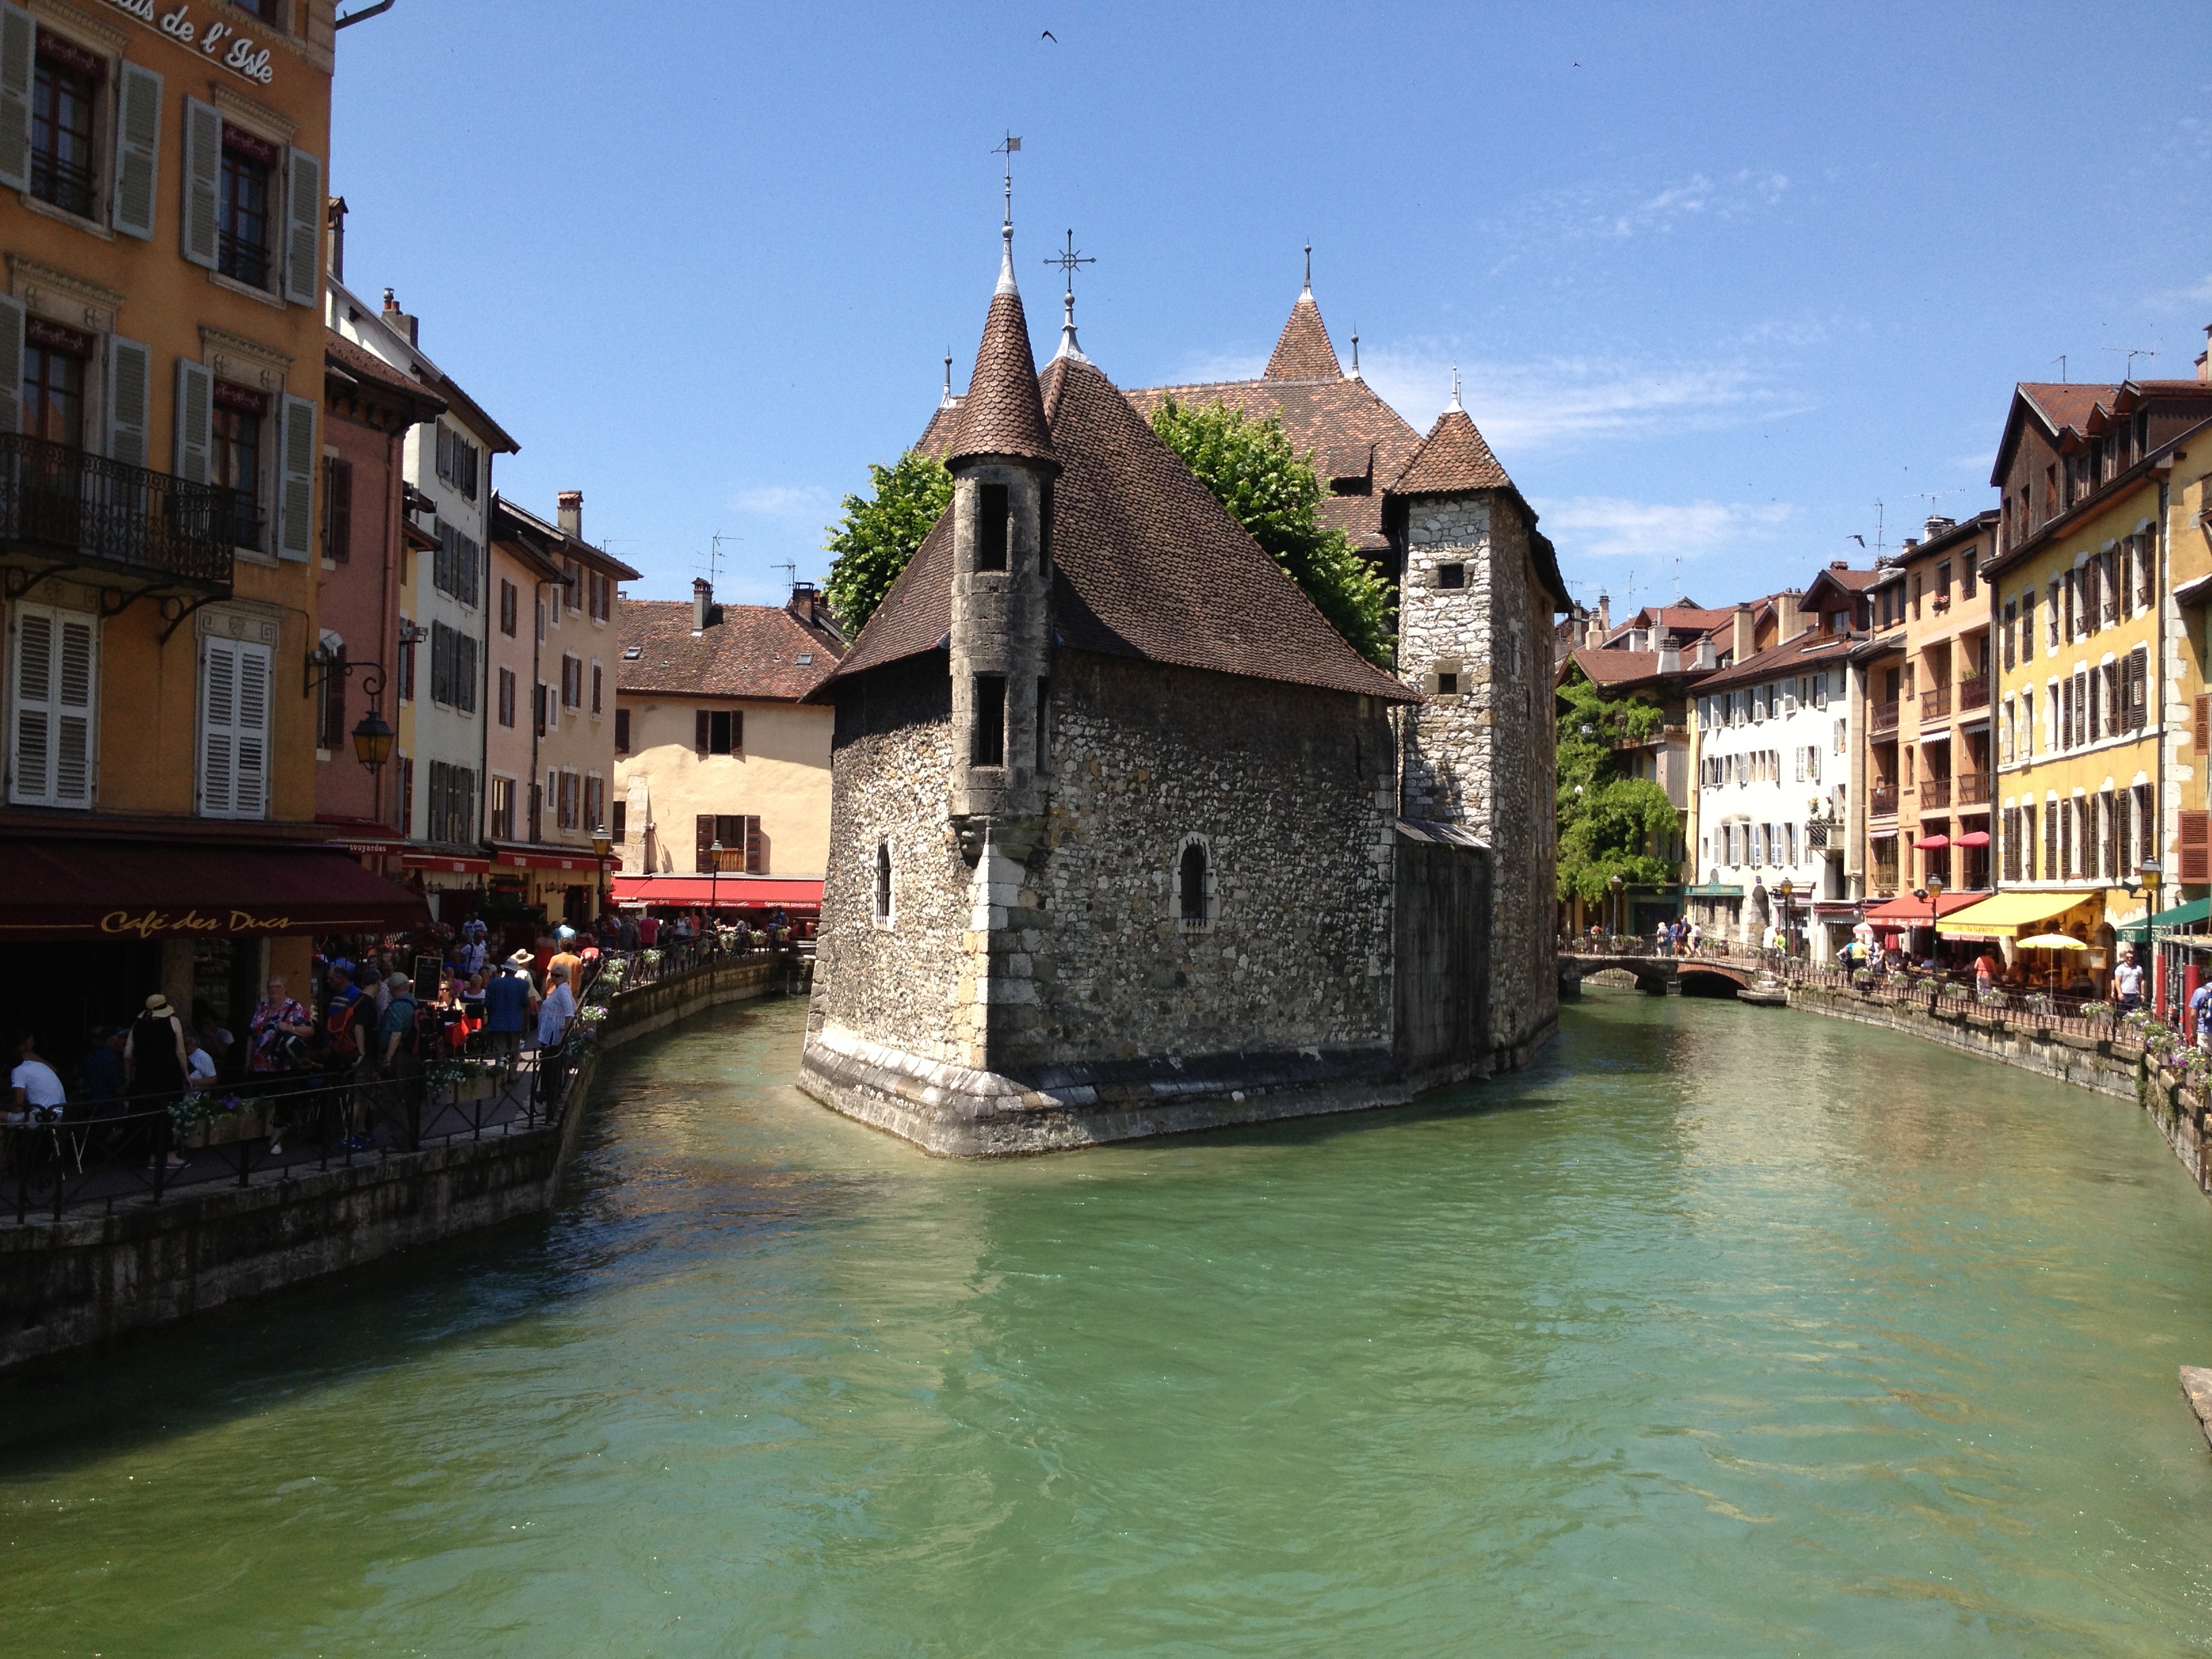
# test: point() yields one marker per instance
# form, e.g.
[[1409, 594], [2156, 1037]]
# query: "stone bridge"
[[1712, 976]]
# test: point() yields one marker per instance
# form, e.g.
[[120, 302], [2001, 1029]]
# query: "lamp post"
[[713, 883], [1782, 890], [1615, 882], [1933, 892], [602, 844], [2148, 876]]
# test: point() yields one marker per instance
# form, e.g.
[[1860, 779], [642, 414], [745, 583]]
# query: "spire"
[[1003, 413], [1302, 352], [1069, 346], [1454, 402], [946, 402], [1009, 149], [1355, 351]]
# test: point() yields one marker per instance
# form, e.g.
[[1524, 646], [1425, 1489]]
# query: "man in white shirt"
[[558, 1008], [38, 1092]]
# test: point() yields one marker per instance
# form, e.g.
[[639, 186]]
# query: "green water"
[[1725, 1331]]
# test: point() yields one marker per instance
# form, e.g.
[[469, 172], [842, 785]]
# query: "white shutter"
[[18, 51], [303, 228], [218, 728], [138, 150], [130, 390], [11, 365], [56, 686], [195, 419], [251, 731], [32, 768], [295, 499], [76, 681], [202, 174]]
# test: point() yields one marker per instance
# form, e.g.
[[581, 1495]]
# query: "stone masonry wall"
[[890, 771], [1289, 790], [1483, 757]]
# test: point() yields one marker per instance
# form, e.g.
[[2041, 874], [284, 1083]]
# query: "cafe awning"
[[2182, 915], [2009, 915], [796, 893], [92, 890]]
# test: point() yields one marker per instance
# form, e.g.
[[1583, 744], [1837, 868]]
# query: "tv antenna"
[[790, 569], [2131, 354], [2061, 361], [714, 557]]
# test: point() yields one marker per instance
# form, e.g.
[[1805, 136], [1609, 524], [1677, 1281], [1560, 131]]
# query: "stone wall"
[[2107, 1068], [87, 1278]]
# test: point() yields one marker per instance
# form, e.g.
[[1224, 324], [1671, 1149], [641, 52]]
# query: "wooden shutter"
[[56, 678], [296, 537], [18, 54], [195, 419], [129, 393], [2200, 724], [704, 826], [138, 150], [202, 172], [464, 672], [755, 848], [703, 727], [11, 365], [303, 228], [337, 510], [622, 731], [737, 731], [2195, 848]]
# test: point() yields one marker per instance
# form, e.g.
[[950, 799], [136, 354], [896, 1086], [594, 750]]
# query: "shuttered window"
[[200, 221], [138, 150], [2195, 848], [54, 685], [129, 391], [195, 422], [303, 228], [234, 729], [338, 509]]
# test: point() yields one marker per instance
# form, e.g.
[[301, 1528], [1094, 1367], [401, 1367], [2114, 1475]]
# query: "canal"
[[1724, 1331]]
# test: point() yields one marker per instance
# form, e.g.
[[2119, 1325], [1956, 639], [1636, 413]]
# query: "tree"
[[877, 534], [1606, 818], [1272, 491]]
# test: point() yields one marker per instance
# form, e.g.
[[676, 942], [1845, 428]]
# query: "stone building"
[[1126, 839]]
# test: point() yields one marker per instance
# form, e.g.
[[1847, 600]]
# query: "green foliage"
[[1272, 490], [1606, 818], [879, 533]]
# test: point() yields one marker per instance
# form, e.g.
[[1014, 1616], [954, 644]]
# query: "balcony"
[[1972, 789], [1882, 878], [1885, 716], [1974, 693], [70, 511], [1935, 704], [1884, 802], [1934, 793]]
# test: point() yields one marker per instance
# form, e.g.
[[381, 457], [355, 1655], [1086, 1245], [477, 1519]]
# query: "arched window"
[[883, 881], [1190, 886]]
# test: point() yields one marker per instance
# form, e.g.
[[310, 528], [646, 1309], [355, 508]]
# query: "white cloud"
[[1561, 403], [1597, 213], [799, 503], [1610, 526]]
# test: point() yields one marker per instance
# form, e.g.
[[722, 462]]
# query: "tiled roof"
[[1451, 459], [1791, 657], [1000, 415], [364, 364], [1146, 563], [1326, 418], [944, 425], [753, 651], [1614, 667], [1302, 351]]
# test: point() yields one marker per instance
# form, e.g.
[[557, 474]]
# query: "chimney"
[[1670, 657], [1795, 620], [571, 512], [805, 603], [1741, 646], [703, 605], [334, 214], [1701, 655], [395, 318], [1937, 524], [1604, 614], [1839, 564], [2204, 357]]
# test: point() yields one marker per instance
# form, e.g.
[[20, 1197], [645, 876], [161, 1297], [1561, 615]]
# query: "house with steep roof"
[[721, 790], [1125, 838]]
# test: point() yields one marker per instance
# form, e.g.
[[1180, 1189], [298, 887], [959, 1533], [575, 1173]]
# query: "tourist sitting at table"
[[99, 1072], [36, 1091]]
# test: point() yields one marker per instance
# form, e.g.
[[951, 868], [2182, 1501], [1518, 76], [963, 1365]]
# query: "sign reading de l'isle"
[[219, 42]]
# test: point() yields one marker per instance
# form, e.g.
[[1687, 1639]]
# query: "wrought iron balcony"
[[1974, 693], [1934, 793], [1935, 704], [1884, 804], [72, 511], [1972, 789], [1885, 716]]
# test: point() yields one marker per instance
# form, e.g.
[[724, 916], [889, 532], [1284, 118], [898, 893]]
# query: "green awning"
[[1713, 889], [2181, 916]]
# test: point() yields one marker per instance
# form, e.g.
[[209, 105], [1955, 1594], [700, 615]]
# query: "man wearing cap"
[[399, 1062], [557, 1010], [507, 1000]]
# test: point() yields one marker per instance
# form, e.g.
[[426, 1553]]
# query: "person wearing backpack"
[[399, 1050]]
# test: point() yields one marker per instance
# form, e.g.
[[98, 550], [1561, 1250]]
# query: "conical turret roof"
[[1303, 351], [1451, 459], [1002, 413]]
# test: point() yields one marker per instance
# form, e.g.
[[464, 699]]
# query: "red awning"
[[1908, 909], [793, 893], [539, 859], [1971, 838], [125, 889], [451, 866]]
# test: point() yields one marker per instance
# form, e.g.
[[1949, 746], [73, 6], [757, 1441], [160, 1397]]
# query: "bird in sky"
[[1860, 540], [1049, 35]]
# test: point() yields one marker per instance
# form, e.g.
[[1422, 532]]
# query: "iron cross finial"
[[1069, 260]]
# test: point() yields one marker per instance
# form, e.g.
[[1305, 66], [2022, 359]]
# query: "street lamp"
[[372, 742], [1782, 890], [1615, 882], [714, 882], [602, 844]]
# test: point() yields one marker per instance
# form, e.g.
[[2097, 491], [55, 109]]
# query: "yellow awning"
[[2007, 916]]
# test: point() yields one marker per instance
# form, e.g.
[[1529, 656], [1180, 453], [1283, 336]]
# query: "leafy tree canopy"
[[878, 534], [1607, 818], [1272, 490]]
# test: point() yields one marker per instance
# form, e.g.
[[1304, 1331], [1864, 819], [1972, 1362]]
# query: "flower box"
[[226, 1127]]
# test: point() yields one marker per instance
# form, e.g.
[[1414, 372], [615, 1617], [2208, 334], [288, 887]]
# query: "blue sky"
[[1717, 279]]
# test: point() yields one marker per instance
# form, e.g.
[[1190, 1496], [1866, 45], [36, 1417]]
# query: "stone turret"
[[1002, 468]]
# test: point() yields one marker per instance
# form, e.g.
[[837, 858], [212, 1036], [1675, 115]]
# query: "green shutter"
[[18, 54], [203, 175], [130, 390], [138, 150], [303, 228]]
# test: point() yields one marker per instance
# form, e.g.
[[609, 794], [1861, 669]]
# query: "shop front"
[[95, 925], [553, 885], [2050, 939], [1908, 925]]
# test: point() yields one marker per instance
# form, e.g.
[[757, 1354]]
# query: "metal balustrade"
[[82, 511]]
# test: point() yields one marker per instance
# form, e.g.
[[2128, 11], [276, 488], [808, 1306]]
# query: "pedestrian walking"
[[400, 1064], [154, 1067], [557, 1010], [2128, 980], [508, 998]]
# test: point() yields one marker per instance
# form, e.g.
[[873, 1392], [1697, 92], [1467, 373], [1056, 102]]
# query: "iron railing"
[[1974, 693], [68, 186], [1883, 804], [1885, 716], [85, 510], [1934, 793], [1935, 702], [1972, 789]]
